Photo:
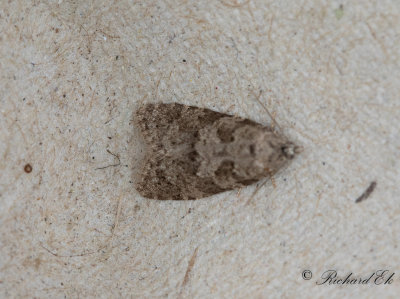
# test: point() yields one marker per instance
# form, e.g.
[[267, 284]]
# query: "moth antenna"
[[266, 110], [271, 176], [258, 187]]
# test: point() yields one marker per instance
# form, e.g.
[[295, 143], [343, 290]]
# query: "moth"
[[196, 152]]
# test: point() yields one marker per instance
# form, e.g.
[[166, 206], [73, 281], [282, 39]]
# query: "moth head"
[[289, 150], [272, 151]]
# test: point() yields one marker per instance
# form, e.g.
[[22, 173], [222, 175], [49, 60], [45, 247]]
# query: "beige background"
[[72, 73]]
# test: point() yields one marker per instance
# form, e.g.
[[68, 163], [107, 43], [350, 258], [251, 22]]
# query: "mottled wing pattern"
[[162, 121], [169, 170]]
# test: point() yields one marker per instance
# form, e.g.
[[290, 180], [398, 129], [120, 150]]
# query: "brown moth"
[[195, 152]]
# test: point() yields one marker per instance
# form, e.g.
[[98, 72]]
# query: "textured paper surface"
[[72, 73]]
